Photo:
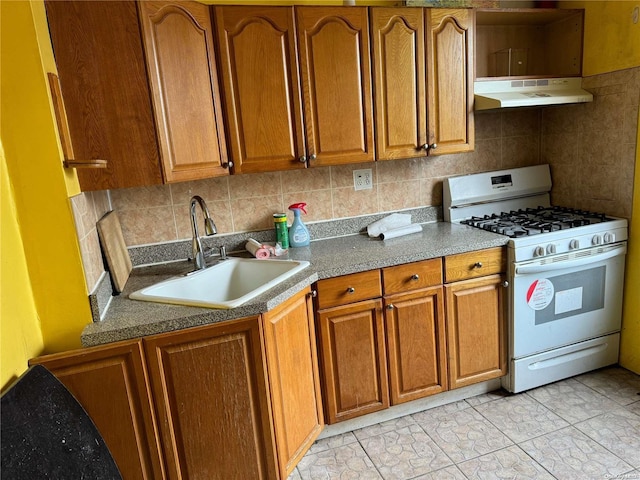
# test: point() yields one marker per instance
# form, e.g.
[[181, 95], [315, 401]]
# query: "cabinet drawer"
[[349, 288], [475, 264], [411, 276]]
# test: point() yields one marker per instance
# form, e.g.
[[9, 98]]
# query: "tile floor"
[[585, 427]]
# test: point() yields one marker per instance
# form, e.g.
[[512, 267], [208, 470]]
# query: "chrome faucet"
[[209, 229]]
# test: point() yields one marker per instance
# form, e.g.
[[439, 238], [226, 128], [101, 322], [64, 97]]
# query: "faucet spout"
[[209, 229]]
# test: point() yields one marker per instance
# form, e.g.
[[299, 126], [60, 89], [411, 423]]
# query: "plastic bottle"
[[282, 234], [298, 232]]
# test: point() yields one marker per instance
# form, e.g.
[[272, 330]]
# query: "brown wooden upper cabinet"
[[288, 108], [112, 99], [259, 69], [104, 84], [178, 41], [336, 84], [423, 79], [450, 73], [400, 82]]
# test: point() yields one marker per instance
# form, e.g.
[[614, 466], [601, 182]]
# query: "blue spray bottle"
[[298, 231]]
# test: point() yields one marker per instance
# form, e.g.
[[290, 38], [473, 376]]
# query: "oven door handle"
[[537, 268]]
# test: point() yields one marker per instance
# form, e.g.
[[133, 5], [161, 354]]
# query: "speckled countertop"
[[331, 257]]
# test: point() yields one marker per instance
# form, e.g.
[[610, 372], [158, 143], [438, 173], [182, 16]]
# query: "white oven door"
[[560, 300]]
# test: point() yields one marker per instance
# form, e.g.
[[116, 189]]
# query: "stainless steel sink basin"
[[227, 284]]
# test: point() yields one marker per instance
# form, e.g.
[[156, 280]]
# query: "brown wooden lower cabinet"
[[354, 361], [436, 337], [110, 382], [292, 363], [210, 388], [417, 344], [238, 399], [476, 330]]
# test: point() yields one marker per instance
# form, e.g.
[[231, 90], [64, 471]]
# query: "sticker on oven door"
[[568, 300], [540, 294]]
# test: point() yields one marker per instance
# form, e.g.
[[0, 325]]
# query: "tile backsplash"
[[589, 147]]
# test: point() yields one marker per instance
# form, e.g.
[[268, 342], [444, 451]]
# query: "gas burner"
[[534, 221]]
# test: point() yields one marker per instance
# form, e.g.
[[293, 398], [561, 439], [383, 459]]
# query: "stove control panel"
[[591, 236]]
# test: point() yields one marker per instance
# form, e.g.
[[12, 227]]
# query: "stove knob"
[[551, 248], [574, 244], [609, 237], [596, 240], [538, 252]]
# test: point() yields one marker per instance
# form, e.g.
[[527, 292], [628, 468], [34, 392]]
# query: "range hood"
[[492, 94]]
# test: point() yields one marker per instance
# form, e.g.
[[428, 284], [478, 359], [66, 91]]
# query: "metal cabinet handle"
[[313, 293], [312, 156], [425, 147], [351, 290], [477, 265], [302, 159], [505, 284], [433, 146], [415, 276], [227, 165], [391, 306]]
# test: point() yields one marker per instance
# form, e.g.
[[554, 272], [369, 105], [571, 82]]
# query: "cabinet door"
[[209, 384], [450, 84], [178, 41], [336, 81], [397, 38], [294, 383], [111, 383], [476, 330], [354, 361], [103, 80], [417, 344], [261, 87]]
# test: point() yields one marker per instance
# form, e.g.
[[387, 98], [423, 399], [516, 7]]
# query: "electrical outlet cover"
[[363, 179]]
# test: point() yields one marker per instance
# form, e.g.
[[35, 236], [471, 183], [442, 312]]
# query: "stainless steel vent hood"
[[492, 94]]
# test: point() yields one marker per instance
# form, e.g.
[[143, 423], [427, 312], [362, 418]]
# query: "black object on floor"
[[45, 433]]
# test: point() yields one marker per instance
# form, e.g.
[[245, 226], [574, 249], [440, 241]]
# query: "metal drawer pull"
[[351, 290], [477, 265], [391, 306], [415, 276]]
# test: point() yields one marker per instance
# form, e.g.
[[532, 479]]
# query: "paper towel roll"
[[395, 220], [400, 232], [256, 249]]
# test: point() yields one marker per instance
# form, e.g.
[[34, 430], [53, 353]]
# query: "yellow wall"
[[20, 329], [611, 39], [630, 343], [39, 190]]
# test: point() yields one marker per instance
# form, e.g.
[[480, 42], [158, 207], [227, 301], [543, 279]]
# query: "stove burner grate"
[[533, 221]]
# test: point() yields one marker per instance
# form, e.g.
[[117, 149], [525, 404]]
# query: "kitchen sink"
[[227, 284]]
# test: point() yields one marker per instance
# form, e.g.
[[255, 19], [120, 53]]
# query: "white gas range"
[[566, 272]]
